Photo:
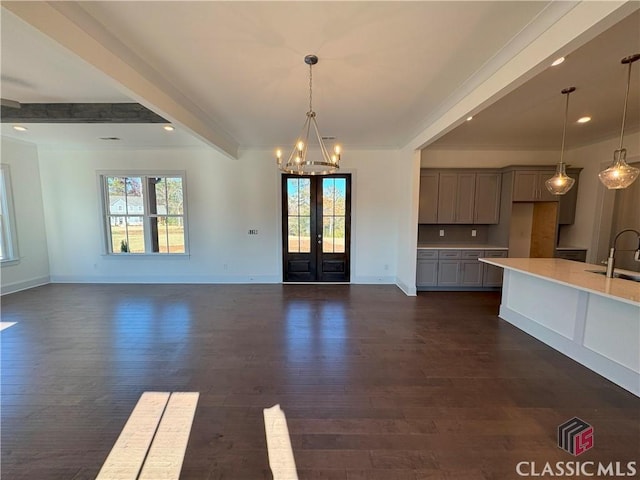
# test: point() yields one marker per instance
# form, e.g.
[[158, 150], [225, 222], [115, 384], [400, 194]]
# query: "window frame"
[[146, 216], [8, 229]]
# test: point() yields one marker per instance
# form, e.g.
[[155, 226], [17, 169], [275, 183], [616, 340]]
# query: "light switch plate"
[[442, 233]]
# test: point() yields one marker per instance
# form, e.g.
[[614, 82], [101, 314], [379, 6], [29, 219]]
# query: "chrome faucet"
[[612, 252]]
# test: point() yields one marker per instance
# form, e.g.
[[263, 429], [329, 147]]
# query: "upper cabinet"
[[459, 196], [487, 198], [456, 197], [428, 209], [528, 186]]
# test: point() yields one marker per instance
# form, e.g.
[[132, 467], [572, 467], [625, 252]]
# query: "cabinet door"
[[448, 273], [471, 273], [428, 209], [487, 198], [544, 195], [426, 273], [525, 186], [447, 191], [492, 275], [465, 197]]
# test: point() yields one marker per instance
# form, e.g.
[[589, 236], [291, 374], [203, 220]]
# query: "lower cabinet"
[[458, 269], [578, 255], [492, 276]]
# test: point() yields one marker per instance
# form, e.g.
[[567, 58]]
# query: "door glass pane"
[[327, 234], [294, 235], [299, 212], [340, 198], [339, 235], [334, 195]]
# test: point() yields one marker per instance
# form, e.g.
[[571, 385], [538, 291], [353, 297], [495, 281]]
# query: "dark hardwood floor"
[[375, 385]]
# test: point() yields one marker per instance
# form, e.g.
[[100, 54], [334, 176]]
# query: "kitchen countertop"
[[458, 246], [574, 274]]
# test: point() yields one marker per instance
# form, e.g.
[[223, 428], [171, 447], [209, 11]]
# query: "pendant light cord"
[[564, 129], [626, 99]]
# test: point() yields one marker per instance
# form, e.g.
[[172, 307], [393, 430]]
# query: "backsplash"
[[453, 234]]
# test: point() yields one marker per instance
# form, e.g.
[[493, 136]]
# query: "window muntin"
[[8, 239], [145, 214]]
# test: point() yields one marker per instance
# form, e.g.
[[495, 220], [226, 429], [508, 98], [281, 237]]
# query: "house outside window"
[[8, 232], [144, 213]]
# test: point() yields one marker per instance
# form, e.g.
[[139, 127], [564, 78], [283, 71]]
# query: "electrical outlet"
[[442, 233], [474, 232]]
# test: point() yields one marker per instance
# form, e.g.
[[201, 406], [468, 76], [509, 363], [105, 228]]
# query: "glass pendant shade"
[[560, 183], [620, 174]]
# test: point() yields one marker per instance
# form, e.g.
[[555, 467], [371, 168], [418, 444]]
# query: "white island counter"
[[590, 318]]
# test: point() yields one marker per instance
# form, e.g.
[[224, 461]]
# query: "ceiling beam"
[[79, 113], [67, 24], [547, 38]]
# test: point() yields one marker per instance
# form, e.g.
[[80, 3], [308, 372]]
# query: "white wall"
[[225, 198], [594, 205], [33, 266]]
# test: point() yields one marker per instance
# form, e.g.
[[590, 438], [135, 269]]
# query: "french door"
[[316, 228]]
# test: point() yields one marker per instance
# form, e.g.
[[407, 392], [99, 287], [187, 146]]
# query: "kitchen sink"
[[634, 277]]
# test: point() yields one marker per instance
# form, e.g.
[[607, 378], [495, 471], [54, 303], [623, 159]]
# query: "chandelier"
[[302, 161], [620, 174], [561, 183]]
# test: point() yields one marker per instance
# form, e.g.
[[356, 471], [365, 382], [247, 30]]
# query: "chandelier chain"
[[310, 87]]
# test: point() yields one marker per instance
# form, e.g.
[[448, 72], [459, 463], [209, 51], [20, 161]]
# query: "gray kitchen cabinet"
[[578, 254], [528, 186], [427, 268], [428, 207], [568, 201], [492, 275], [449, 268], [470, 268], [487, 198], [457, 269], [456, 196]]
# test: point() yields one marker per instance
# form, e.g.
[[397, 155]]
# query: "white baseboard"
[[154, 279], [372, 280], [408, 290], [24, 285]]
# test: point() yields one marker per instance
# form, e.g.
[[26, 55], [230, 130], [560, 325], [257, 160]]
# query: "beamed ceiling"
[[390, 75]]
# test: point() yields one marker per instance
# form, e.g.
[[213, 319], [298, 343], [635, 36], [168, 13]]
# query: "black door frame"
[[316, 258]]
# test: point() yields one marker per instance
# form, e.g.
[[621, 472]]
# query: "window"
[[144, 213], [8, 240]]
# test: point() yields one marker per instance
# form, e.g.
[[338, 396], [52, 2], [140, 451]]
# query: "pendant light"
[[620, 174], [301, 161], [561, 183]]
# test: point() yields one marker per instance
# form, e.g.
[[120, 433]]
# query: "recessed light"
[[557, 62], [169, 128], [584, 119], [20, 128], [469, 118]]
